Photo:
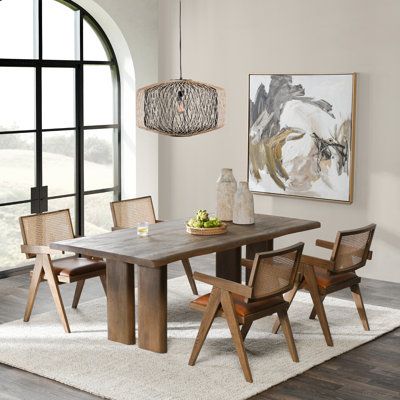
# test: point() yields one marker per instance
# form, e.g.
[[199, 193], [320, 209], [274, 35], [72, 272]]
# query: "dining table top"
[[168, 241]]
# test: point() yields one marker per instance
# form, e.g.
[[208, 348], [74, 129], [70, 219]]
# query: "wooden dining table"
[[168, 242]]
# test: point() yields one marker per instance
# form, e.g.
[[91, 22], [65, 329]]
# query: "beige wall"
[[225, 40]]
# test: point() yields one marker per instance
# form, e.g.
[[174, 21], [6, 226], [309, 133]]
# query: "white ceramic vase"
[[226, 189], [243, 208]]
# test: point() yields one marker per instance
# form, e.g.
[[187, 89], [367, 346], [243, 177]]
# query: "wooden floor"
[[371, 371]]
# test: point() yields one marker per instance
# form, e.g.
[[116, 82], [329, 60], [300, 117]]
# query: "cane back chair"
[[38, 231], [273, 273], [128, 213], [350, 251]]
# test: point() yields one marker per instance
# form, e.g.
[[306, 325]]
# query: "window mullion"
[[79, 177], [79, 167], [117, 137], [38, 141], [36, 200], [40, 30]]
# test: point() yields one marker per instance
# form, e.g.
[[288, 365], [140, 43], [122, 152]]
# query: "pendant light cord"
[[180, 39]]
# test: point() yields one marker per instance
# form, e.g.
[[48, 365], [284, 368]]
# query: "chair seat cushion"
[[326, 279], [243, 309], [75, 266]]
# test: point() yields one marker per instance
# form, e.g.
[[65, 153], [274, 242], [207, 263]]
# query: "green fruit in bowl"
[[191, 221], [203, 220], [215, 222], [198, 224], [202, 215]]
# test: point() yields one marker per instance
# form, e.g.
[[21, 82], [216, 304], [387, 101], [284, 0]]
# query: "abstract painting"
[[301, 135]]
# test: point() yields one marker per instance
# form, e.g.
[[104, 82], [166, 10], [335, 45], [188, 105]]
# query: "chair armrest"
[[245, 262], [325, 244], [225, 284], [36, 249], [317, 262]]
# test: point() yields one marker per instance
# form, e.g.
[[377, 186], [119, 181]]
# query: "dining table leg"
[[120, 301], [227, 264], [253, 248], [312, 286], [152, 312]]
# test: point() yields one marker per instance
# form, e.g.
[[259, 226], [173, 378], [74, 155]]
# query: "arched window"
[[59, 118]]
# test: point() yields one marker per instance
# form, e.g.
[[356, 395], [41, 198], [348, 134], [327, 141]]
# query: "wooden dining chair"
[[128, 213], [38, 231], [350, 251], [273, 273]]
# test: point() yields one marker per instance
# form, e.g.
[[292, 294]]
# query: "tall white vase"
[[226, 189], [243, 208]]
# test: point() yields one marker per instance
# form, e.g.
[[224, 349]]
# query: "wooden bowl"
[[219, 230]]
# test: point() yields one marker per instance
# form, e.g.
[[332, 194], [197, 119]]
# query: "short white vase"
[[243, 207], [226, 189]]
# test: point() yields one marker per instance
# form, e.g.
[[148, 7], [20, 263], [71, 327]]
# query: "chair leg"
[[356, 292], [287, 330], [289, 298], [36, 278], [189, 274], [314, 311], [55, 291], [245, 329], [312, 286], [208, 318], [103, 280], [78, 292], [229, 311]]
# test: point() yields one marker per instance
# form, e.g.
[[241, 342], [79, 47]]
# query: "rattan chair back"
[[42, 229], [128, 213], [275, 272], [351, 248]]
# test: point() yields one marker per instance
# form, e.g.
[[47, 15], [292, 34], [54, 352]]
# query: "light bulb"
[[181, 106]]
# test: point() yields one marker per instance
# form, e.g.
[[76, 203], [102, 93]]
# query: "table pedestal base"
[[152, 320], [121, 302], [227, 264]]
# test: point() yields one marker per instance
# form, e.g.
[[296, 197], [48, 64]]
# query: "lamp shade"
[[181, 107]]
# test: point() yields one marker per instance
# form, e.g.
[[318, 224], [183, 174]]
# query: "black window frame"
[[39, 63]]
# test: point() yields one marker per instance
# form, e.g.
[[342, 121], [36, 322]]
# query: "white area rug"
[[86, 360]]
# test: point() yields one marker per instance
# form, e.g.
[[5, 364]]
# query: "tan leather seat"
[[326, 279], [242, 309], [77, 266]]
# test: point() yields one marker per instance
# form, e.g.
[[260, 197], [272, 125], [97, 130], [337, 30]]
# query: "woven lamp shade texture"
[[157, 108]]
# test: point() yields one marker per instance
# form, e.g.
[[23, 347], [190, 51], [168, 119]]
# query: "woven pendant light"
[[180, 107]]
